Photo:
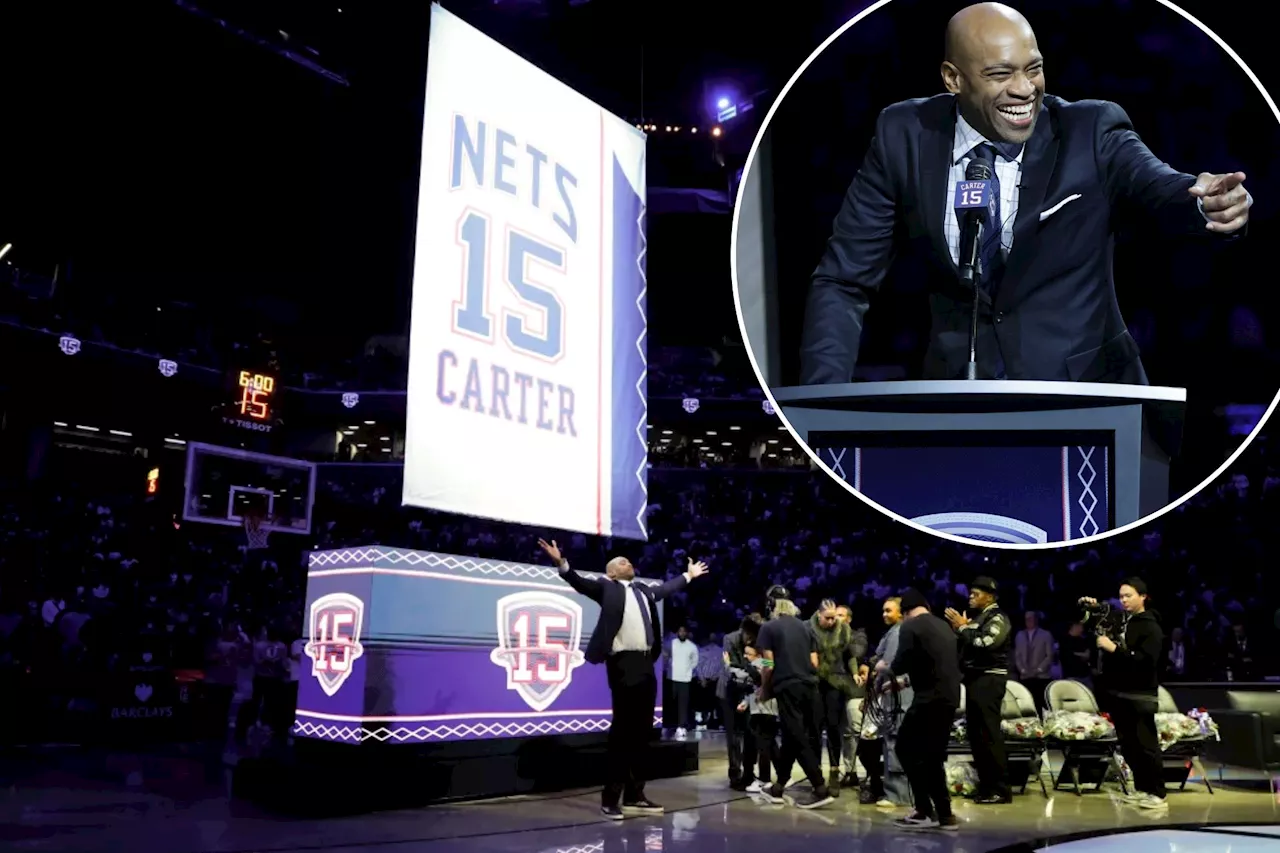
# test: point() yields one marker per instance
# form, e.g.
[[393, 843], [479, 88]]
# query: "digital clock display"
[[257, 395], [253, 402]]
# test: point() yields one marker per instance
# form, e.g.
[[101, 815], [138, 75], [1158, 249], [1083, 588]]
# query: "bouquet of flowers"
[[1208, 727], [1024, 728], [1172, 728], [1078, 725], [962, 779], [960, 730]]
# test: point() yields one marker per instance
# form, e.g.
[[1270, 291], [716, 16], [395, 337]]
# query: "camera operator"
[[984, 659], [1128, 662]]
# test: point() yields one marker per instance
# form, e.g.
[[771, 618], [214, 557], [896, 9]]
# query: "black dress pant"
[[681, 691], [922, 750], [634, 690], [984, 694], [798, 720], [1135, 722], [740, 740]]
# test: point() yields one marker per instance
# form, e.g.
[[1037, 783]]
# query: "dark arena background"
[[209, 213]]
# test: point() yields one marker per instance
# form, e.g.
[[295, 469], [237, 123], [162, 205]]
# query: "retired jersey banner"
[[527, 345]]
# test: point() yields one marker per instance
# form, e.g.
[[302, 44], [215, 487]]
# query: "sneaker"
[[1150, 802], [681, 734], [833, 783], [742, 784], [611, 813], [886, 803], [949, 824], [773, 793], [915, 820], [849, 780], [814, 799], [755, 788], [642, 806]]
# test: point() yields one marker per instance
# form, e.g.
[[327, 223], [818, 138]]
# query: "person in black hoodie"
[[1130, 664]]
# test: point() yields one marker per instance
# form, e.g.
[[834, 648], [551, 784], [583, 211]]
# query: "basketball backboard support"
[[225, 484]]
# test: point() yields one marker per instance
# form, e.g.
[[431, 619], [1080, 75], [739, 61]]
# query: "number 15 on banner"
[[473, 315]]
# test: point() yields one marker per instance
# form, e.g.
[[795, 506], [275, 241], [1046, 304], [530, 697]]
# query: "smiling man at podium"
[[1061, 179]]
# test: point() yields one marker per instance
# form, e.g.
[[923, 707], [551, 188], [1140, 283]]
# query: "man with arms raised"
[[1066, 176], [628, 640]]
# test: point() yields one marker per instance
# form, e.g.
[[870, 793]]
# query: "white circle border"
[[751, 356]]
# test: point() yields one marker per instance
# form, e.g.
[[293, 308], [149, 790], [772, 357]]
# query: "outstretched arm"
[[1152, 190], [679, 582], [858, 255], [590, 587]]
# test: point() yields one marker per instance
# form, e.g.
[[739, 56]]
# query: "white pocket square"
[[1051, 211]]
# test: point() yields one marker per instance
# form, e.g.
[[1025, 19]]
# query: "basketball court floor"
[[78, 801]]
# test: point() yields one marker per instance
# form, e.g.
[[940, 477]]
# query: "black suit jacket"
[[611, 595], [1054, 313]]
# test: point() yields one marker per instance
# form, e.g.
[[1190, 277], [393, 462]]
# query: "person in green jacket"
[[837, 665]]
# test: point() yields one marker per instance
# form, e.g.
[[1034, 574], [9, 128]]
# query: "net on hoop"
[[256, 533]]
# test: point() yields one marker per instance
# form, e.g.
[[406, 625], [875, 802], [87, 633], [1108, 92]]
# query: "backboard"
[[223, 484]]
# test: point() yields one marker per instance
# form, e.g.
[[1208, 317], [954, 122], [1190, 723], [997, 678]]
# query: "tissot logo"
[[249, 425], [538, 637], [333, 643]]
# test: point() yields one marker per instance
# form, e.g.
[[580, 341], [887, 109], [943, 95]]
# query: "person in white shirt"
[[684, 660]]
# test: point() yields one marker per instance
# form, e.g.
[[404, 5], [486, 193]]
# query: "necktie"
[[644, 614], [989, 253]]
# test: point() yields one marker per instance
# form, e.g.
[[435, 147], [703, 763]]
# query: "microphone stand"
[[969, 274]]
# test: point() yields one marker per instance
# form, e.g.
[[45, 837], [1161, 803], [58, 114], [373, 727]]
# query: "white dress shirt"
[[631, 635], [684, 660], [1009, 172]]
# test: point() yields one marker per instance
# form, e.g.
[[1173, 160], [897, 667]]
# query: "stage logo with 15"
[[333, 639], [538, 638]]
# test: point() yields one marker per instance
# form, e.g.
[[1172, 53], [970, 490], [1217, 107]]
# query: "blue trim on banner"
[[629, 478]]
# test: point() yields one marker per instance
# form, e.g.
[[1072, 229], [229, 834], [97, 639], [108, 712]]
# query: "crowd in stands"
[[180, 332], [96, 585]]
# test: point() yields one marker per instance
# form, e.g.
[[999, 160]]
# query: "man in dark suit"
[[628, 640], [1067, 177]]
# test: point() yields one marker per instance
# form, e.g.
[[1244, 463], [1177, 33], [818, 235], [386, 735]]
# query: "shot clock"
[[254, 403], [257, 392]]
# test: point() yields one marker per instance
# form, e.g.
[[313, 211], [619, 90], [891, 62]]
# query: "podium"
[[1013, 462]]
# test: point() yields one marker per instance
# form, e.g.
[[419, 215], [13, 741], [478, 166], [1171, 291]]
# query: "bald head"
[[972, 25], [994, 68], [619, 568]]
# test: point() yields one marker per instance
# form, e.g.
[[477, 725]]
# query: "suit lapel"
[[936, 152], [1038, 161], [935, 172]]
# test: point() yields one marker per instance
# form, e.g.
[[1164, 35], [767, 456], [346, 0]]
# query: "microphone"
[[973, 197]]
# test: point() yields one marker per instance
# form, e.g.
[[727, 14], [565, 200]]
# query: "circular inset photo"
[[995, 267]]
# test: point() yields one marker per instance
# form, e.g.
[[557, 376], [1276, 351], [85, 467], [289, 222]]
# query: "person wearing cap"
[[984, 659], [927, 661], [1131, 663]]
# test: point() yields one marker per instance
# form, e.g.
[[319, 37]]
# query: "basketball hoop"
[[256, 533]]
